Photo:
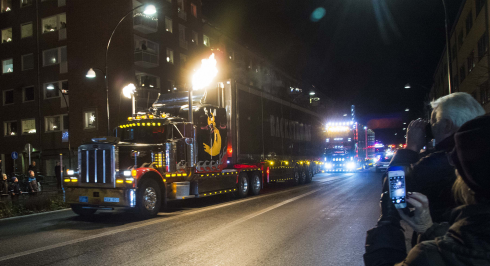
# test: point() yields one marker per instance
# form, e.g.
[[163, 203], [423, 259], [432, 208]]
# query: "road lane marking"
[[157, 221]]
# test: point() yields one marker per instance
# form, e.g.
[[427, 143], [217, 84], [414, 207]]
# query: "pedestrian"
[[32, 182], [431, 173], [4, 186], [57, 172], [467, 240], [15, 186], [32, 167]]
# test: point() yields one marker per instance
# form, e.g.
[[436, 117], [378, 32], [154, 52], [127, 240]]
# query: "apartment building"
[[469, 56]]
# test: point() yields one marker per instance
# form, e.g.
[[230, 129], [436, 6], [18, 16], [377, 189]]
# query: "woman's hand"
[[421, 221]]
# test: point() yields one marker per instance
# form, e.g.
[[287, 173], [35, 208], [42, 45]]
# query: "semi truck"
[[240, 139], [349, 146]]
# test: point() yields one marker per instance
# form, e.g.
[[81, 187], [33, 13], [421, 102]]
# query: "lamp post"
[[149, 10], [202, 78], [51, 87], [446, 22], [128, 92]]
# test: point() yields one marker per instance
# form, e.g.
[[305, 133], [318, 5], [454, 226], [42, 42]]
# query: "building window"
[[10, 128], [24, 3], [183, 60], [195, 38], [147, 81], [54, 23], [26, 30], [482, 46], [8, 97], [56, 123], [460, 39], [53, 56], [170, 56], [28, 94], [180, 4], [7, 66], [6, 5], [194, 10], [462, 73], [479, 5], [206, 40], [52, 89], [29, 126], [89, 119], [27, 61], [469, 22], [471, 61], [6, 35], [181, 32], [168, 24]]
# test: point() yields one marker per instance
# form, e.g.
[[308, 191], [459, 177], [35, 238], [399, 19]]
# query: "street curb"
[[30, 215]]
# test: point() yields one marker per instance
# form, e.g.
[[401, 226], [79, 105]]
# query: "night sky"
[[361, 52]]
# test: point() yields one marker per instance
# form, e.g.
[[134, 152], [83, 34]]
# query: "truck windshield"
[[148, 134]]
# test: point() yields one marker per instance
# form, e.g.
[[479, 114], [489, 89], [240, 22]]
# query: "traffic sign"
[[14, 155]]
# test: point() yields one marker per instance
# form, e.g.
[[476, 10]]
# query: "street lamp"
[[149, 10], [128, 92], [407, 86], [202, 78]]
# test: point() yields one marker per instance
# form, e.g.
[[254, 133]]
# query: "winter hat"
[[471, 154]]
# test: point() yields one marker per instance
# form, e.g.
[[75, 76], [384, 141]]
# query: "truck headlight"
[[351, 165], [328, 166], [70, 172], [127, 173]]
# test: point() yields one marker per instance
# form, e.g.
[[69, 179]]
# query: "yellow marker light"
[[74, 180], [271, 163], [138, 118], [164, 180], [287, 163], [167, 175], [67, 180], [134, 172], [173, 175], [204, 194], [184, 174], [138, 124], [119, 181], [134, 124], [130, 118], [153, 124], [159, 124], [308, 163], [143, 117], [179, 174], [150, 116], [120, 126], [144, 124], [129, 181], [163, 115]]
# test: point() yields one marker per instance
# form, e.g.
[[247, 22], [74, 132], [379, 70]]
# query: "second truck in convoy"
[[241, 139]]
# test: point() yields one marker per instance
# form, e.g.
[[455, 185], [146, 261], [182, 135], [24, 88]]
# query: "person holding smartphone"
[[465, 240]]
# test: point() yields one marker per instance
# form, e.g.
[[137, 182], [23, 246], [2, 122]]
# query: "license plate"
[[83, 199], [108, 199]]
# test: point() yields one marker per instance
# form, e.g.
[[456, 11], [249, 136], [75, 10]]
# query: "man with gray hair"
[[431, 173]]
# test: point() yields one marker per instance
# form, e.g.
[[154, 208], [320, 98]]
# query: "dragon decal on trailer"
[[211, 135]]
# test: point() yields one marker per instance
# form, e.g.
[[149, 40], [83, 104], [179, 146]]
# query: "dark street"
[[321, 223]]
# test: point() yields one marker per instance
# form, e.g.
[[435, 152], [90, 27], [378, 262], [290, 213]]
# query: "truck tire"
[[255, 183], [242, 186], [78, 209], [302, 177], [149, 198], [309, 176], [296, 176]]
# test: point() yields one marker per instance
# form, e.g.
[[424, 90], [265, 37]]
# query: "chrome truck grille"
[[97, 164]]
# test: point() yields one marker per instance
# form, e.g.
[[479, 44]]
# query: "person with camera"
[[465, 240], [430, 173]]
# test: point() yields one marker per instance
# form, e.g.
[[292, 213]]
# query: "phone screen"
[[397, 188]]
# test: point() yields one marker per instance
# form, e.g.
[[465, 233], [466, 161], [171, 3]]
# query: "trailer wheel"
[[255, 183], [242, 186], [149, 198], [309, 176], [78, 209], [302, 177]]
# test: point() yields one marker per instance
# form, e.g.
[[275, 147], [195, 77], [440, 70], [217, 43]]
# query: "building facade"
[[469, 56]]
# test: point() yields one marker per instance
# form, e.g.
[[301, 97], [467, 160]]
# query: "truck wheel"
[[297, 177], [255, 183], [242, 186], [78, 209], [309, 177], [149, 198], [302, 177]]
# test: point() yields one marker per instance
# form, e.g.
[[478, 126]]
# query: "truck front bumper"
[[101, 197]]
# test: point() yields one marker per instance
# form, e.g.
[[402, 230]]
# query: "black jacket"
[[432, 175], [467, 242]]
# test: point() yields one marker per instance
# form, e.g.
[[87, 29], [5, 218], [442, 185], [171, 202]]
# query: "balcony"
[[145, 24], [183, 43], [182, 14], [145, 59], [62, 34]]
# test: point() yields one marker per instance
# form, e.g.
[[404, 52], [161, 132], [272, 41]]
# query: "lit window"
[[52, 123], [168, 24], [24, 3], [206, 41], [28, 94], [148, 81], [6, 35], [10, 128], [89, 119], [8, 97], [29, 126], [195, 38], [26, 30], [6, 5], [194, 10], [27, 61], [54, 56], [7, 66], [54, 23], [170, 56], [52, 90]]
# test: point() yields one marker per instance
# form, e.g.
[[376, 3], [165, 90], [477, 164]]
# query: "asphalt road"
[[322, 223]]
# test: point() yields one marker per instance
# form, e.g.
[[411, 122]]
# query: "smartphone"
[[398, 189]]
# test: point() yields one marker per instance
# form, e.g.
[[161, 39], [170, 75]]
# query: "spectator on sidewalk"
[[4, 186], [15, 187], [33, 167], [57, 173], [32, 182]]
